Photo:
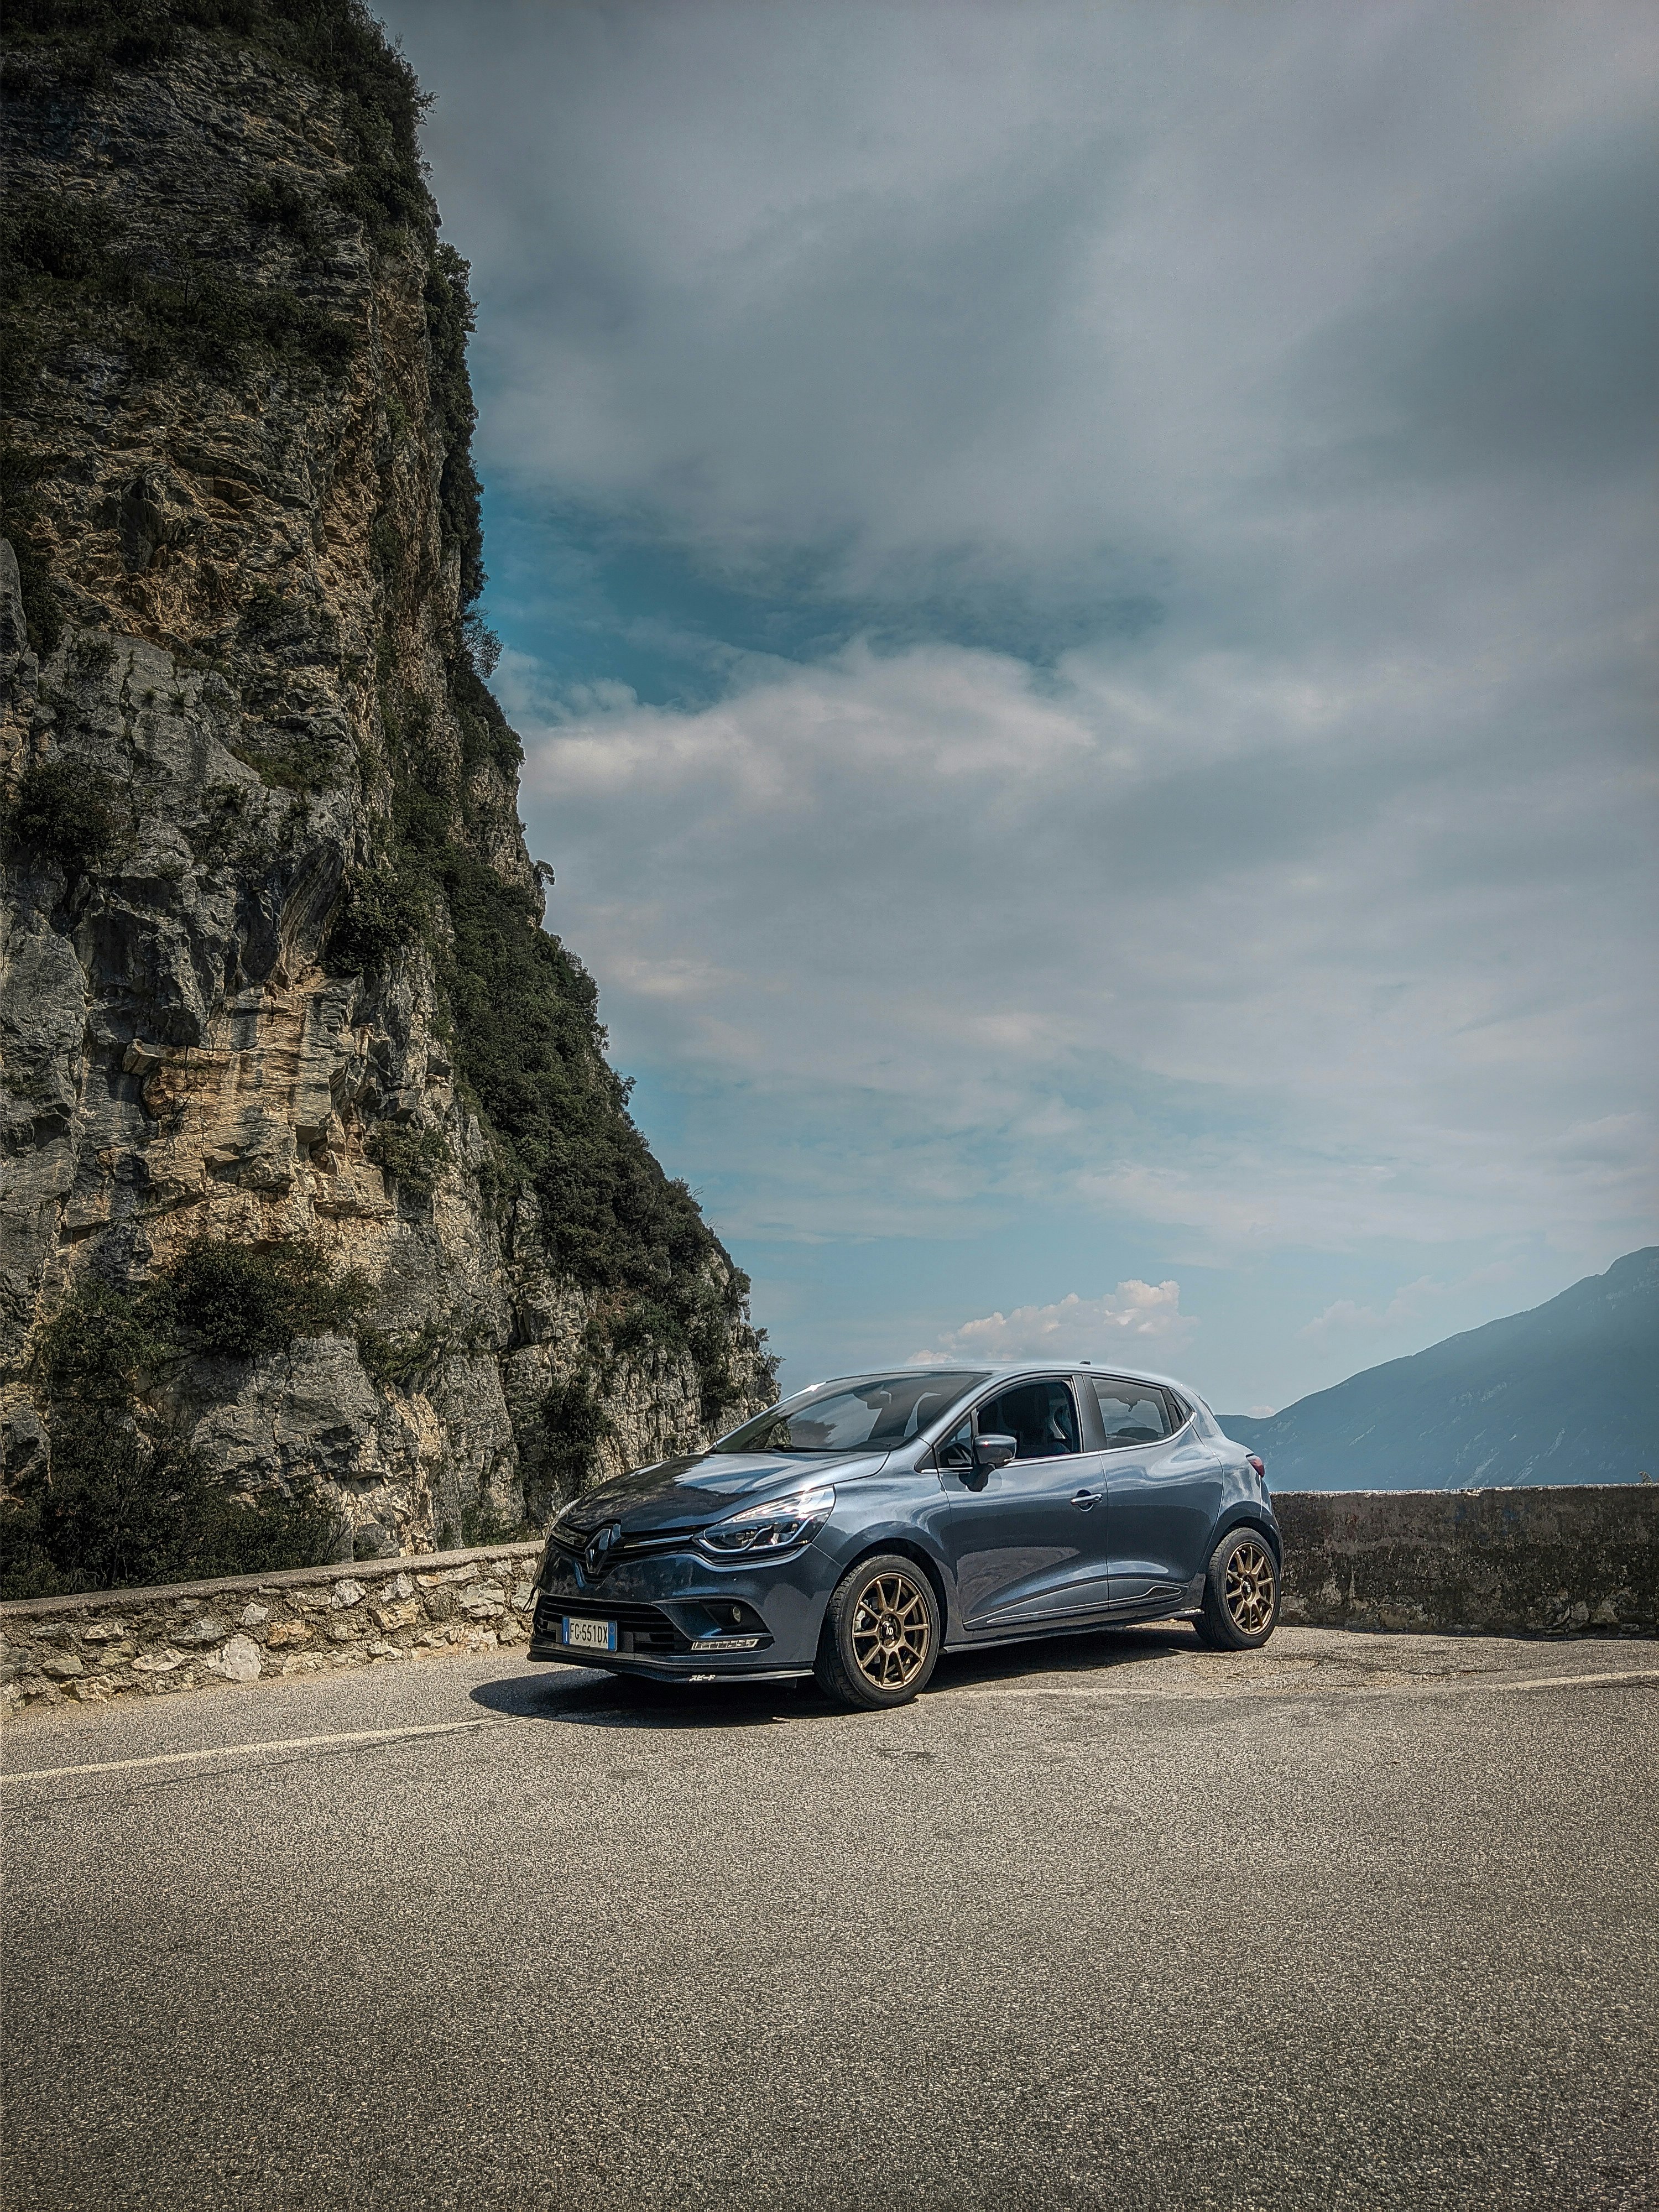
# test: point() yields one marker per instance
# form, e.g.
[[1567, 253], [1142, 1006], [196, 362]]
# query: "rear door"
[[1029, 1538], [1163, 1489]]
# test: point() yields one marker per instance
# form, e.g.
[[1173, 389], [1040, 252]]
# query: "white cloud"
[[941, 929], [1343, 1316], [1136, 1319], [1411, 1312]]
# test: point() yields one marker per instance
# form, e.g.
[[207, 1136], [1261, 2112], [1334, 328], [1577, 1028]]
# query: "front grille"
[[641, 1628], [573, 1542]]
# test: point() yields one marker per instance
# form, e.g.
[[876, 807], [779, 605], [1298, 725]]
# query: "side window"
[[1131, 1413], [1040, 1417]]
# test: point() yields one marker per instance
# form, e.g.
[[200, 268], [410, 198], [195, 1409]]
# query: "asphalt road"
[[1358, 1922]]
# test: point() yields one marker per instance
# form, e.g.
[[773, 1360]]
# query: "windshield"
[[871, 1413]]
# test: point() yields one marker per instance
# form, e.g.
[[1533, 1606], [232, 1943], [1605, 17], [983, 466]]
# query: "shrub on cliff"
[[573, 1425], [125, 1506], [415, 1159], [63, 814], [381, 917], [127, 1501], [238, 1301]]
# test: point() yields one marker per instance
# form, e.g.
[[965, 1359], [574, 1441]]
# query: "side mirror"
[[992, 1452]]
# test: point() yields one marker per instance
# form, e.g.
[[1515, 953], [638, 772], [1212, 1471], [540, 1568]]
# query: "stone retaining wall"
[[1543, 1561], [1527, 1562], [194, 1636]]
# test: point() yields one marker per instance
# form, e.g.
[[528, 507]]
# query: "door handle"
[[1082, 1499]]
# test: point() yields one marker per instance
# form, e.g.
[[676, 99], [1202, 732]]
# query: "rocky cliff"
[[275, 994]]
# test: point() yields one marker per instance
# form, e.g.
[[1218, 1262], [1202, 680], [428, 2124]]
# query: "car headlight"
[[777, 1526]]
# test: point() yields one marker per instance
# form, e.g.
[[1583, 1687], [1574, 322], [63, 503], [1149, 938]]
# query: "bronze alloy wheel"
[[892, 1629], [1250, 1594]]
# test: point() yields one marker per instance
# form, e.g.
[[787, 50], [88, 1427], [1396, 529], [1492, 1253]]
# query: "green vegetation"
[[65, 280], [482, 643], [67, 275], [416, 1159], [529, 1049], [381, 916], [64, 814], [238, 1301], [274, 203], [448, 324], [125, 1508], [385, 550], [127, 1502], [486, 734], [574, 1425], [482, 1524]]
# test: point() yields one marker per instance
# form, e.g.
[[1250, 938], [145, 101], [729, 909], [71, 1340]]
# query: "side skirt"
[[1050, 1630]]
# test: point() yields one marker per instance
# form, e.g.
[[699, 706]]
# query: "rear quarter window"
[[1131, 1413]]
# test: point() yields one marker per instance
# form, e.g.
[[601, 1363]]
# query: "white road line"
[[230, 1750], [990, 1690], [1307, 1685]]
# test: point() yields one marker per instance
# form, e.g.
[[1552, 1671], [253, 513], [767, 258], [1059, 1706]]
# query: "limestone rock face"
[[246, 525]]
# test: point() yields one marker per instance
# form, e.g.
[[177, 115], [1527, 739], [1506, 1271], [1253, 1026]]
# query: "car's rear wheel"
[[881, 1634], [1241, 1593]]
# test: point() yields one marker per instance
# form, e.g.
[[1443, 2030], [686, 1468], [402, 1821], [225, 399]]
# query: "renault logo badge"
[[600, 1546]]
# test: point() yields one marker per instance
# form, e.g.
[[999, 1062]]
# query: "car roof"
[[1011, 1370]]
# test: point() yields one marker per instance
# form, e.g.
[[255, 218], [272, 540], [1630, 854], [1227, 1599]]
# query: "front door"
[[1163, 1491], [1030, 1538]]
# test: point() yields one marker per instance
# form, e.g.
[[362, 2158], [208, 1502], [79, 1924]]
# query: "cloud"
[[1080, 589], [1239, 951], [1412, 1309], [1135, 1320], [1344, 1317]]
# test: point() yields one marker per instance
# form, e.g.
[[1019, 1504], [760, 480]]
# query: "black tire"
[[1241, 1593], [881, 1634]]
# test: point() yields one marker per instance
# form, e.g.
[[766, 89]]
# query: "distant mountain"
[[1567, 1392]]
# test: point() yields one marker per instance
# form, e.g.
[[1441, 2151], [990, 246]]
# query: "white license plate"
[[590, 1635]]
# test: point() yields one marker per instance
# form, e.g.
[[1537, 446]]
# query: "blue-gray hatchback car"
[[860, 1528]]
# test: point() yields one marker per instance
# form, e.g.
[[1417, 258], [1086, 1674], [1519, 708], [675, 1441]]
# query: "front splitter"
[[664, 1670]]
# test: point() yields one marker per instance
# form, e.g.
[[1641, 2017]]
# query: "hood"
[[689, 1493]]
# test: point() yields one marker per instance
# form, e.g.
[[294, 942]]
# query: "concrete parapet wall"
[[1543, 1561], [195, 1636]]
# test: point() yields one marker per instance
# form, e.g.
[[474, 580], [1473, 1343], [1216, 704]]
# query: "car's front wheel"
[[881, 1634], [1241, 1593]]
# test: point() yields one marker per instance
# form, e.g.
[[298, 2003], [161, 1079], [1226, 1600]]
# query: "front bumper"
[[677, 1616]]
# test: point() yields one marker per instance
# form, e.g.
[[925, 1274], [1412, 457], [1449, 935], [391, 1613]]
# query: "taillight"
[[1260, 1468]]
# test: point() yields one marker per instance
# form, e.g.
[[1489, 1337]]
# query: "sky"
[[1078, 584]]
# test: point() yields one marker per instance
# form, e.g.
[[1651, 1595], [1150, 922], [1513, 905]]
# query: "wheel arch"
[[1247, 1517]]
